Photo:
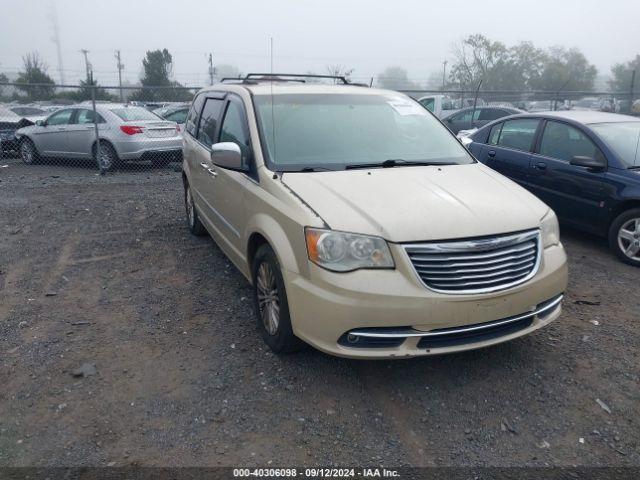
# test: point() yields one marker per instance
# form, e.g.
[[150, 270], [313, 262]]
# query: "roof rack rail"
[[292, 77]]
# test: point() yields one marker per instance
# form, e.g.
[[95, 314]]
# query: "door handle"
[[204, 165], [212, 172], [492, 153], [540, 166]]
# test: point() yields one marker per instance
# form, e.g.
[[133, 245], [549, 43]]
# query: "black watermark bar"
[[430, 473]]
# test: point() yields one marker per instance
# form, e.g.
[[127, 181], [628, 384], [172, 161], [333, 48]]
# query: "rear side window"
[[491, 114], [209, 121], [86, 116], [194, 113], [518, 134], [466, 116], [564, 142], [234, 129]]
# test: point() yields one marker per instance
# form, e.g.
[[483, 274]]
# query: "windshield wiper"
[[634, 167], [392, 162]]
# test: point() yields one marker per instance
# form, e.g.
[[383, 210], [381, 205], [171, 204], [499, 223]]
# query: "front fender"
[[289, 249]]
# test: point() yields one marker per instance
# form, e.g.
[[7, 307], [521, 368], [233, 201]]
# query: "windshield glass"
[[132, 114], [623, 138], [332, 131]]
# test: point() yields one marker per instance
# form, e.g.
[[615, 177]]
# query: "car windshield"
[[623, 138], [333, 131], [133, 114]]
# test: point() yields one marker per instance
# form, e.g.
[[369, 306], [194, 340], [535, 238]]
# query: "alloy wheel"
[[629, 239], [27, 152], [106, 158], [268, 299]]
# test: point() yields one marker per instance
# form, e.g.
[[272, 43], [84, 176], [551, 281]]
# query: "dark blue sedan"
[[585, 165]]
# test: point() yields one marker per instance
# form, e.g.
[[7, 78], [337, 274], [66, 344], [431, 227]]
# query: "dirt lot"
[[103, 271]]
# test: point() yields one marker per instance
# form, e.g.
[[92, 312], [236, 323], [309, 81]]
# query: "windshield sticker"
[[405, 107]]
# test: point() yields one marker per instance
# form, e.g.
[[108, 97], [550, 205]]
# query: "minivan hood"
[[406, 204]]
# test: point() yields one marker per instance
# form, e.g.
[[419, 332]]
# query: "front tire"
[[193, 221], [624, 237], [270, 303], [28, 152]]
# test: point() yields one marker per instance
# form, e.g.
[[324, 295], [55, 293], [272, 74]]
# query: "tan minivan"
[[365, 228]]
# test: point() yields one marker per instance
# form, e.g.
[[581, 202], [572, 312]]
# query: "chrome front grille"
[[478, 265]]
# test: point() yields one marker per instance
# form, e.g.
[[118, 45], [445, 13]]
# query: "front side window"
[[428, 103], [494, 135], [63, 117], [518, 134], [194, 115], [564, 142], [209, 121], [623, 138], [337, 131], [234, 129]]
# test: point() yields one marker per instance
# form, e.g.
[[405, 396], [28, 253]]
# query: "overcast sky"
[[308, 34]]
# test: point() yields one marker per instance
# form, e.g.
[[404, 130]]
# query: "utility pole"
[[211, 69], [120, 68], [631, 90], [444, 74], [53, 16], [87, 65]]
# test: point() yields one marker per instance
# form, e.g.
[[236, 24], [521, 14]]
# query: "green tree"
[[621, 76], [35, 72], [478, 58], [396, 78], [3, 79], [566, 69], [158, 70]]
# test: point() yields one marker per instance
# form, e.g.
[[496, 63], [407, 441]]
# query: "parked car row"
[[125, 133]]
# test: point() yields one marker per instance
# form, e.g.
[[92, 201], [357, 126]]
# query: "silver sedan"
[[125, 132]]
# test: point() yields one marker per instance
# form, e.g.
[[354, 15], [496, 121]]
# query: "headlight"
[[344, 252], [550, 230]]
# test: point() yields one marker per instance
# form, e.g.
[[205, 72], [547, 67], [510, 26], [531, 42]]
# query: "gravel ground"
[[124, 340]]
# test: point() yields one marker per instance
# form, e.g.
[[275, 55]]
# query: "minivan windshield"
[[338, 131], [623, 138]]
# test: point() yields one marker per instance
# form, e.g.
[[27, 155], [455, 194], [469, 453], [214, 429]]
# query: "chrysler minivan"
[[364, 227]]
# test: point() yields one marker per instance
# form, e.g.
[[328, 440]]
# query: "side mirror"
[[588, 163], [41, 123], [466, 141], [227, 155]]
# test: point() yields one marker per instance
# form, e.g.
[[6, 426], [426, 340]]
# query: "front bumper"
[[327, 307]]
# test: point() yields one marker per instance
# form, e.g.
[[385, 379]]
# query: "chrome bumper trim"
[[410, 332]]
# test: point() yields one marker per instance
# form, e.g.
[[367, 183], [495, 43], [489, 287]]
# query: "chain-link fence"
[[531, 101], [85, 126], [140, 128]]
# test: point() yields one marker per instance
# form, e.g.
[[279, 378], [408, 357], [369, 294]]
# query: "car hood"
[[405, 204]]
